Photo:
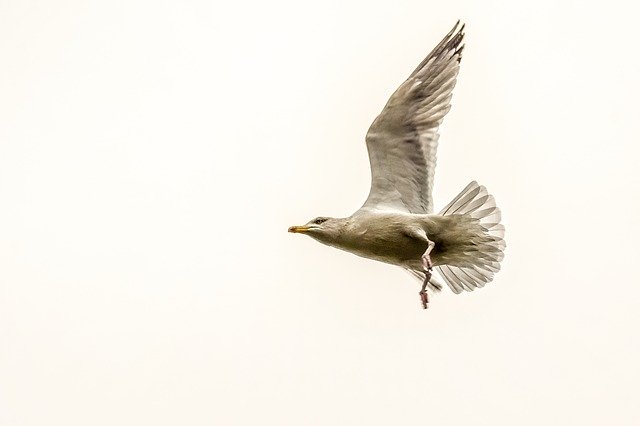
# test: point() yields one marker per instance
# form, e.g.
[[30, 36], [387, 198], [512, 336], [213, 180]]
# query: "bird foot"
[[424, 298]]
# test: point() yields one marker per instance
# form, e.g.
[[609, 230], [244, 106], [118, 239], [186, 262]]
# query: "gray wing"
[[403, 139]]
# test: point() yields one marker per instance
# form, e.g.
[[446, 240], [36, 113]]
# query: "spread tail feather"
[[481, 257]]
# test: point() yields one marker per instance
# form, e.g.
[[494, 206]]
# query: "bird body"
[[464, 242], [390, 237]]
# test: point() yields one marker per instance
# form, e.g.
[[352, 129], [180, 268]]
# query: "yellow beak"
[[299, 229]]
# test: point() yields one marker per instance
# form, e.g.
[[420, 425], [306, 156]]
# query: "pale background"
[[153, 154]]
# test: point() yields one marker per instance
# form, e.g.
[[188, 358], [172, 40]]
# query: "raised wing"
[[403, 139]]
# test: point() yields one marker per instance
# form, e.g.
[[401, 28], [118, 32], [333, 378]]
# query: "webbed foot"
[[424, 298]]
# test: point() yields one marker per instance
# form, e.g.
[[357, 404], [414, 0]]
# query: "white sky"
[[152, 155]]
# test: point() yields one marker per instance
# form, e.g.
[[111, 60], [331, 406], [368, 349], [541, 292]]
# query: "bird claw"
[[424, 298]]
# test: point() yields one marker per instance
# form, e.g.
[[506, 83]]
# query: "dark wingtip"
[[452, 41], [455, 42], [459, 52]]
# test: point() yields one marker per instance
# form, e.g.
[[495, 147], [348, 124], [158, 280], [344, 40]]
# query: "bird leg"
[[427, 267]]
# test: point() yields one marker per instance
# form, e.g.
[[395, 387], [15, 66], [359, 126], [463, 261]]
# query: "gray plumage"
[[396, 224]]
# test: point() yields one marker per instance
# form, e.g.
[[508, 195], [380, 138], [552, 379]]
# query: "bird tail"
[[480, 240]]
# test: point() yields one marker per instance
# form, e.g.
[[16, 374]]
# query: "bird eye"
[[320, 220]]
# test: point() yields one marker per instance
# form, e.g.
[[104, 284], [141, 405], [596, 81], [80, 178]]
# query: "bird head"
[[323, 229]]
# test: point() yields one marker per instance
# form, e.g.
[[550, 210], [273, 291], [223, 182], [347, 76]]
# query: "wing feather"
[[403, 140]]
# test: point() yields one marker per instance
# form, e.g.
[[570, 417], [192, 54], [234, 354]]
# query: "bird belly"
[[396, 249]]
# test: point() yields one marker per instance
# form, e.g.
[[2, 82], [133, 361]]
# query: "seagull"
[[464, 242]]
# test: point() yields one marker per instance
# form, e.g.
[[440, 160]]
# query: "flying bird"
[[464, 242]]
